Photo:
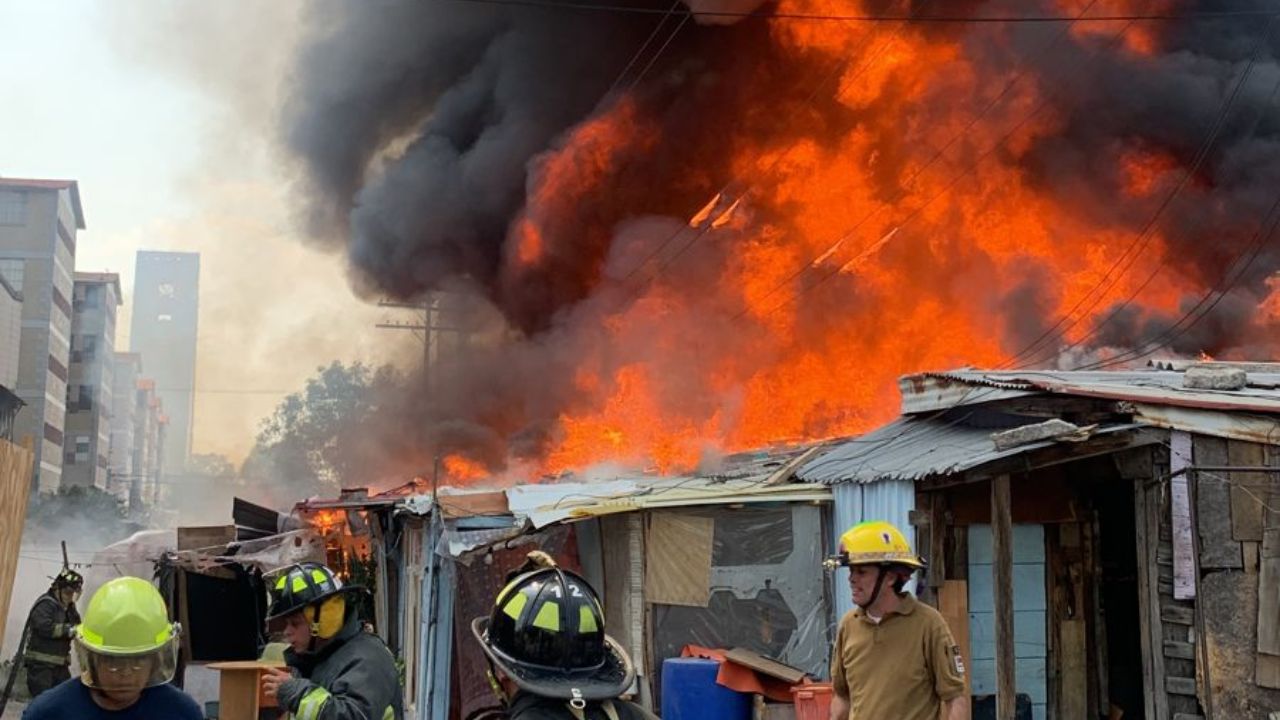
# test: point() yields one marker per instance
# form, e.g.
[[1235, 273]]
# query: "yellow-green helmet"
[[127, 618]]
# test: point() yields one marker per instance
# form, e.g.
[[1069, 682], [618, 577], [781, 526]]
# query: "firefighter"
[[336, 670], [128, 652], [548, 655], [47, 657], [894, 656]]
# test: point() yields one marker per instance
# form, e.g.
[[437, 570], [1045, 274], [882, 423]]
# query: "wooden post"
[[1002, 572]]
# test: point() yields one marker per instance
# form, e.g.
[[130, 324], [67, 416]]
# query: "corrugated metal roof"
[[914, 448], [546, 504], [933, 392]]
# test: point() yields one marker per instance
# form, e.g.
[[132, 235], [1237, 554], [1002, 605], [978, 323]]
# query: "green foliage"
[[313, 443], [85, 513]]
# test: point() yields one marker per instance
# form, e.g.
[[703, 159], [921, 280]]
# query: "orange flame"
[[461, 469], [959, 217], [327, 521]]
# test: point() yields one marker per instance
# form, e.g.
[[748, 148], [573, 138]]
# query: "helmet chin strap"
[[875, 594], [492, 675]]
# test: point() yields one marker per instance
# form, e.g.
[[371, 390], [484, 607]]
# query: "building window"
[[85, 401], [13, 208], [13, 271], [93, 296], [82, 449], [89, 347]]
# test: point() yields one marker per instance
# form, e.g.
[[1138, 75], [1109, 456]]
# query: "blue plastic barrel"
[[690, 692]]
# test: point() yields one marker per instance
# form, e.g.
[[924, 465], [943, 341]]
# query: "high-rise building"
[[150, 430], [165, 307], [124, 423], [38, 224], [85, 456]]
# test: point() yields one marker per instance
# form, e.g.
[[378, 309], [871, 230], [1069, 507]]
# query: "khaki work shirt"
[[903, 668]]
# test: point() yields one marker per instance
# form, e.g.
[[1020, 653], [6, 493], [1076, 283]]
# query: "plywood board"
[[678, 559], [1269, 580], [15, 484], [1074, 653], [1246, 511], [1218, 550], [206, 537], [953, 604], [1267, 674]]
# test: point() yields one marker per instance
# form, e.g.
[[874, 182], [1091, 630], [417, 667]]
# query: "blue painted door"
[[1029, 607]]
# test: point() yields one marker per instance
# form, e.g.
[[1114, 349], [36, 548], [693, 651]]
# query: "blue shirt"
[[71, 701]]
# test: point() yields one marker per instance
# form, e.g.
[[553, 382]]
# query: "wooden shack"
[[1104, 544]]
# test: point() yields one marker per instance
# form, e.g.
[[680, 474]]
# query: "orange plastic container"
[[813, 701]]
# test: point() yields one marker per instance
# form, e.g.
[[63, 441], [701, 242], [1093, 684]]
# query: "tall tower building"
[[166, 296], [90, 388], [38, 224]]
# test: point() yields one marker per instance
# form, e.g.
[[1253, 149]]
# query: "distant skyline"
[[137, 102]]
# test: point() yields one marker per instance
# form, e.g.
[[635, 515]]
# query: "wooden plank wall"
[[15, 484], [1238, 600]]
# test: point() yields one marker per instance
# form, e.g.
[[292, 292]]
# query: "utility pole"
[[429, 314]]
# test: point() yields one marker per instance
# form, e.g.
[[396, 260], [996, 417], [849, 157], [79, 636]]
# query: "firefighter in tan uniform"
[[894, 656]]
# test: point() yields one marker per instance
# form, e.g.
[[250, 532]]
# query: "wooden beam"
[[937, 540], [1147, 526], [1002, 576]]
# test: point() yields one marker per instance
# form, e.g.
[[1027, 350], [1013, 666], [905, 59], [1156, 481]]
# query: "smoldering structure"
[[678, 235]]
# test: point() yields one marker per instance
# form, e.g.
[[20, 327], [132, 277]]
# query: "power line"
[[709, 223], [917, 212], [817, 260], [1136, 248], [868, 18]]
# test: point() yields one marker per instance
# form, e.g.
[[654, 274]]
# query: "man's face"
[[297, 632], [123, 678], [68, 595], [862, 581]]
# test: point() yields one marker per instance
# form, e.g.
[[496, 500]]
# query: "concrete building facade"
[[38, 224], [86, 453], [150, 434], [125, 374], [164, 328], [10, 332]]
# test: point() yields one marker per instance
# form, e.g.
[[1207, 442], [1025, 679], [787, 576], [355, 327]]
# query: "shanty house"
[[1098, 541]]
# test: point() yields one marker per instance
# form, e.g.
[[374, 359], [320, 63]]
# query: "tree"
[[89, 515], [315, 441]]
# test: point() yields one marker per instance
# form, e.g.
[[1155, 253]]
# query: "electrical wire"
[[868, 18], [815, 261], [1147, 233]]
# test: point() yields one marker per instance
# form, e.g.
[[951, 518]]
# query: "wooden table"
[[240, 689]]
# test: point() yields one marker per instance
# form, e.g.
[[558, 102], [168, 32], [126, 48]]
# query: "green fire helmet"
[[127, 619]]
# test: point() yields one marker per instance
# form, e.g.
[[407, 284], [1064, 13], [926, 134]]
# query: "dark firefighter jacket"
[[50, 628], [527, 706], [353, 677]]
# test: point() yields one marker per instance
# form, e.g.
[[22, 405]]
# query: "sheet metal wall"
[[891, 500]]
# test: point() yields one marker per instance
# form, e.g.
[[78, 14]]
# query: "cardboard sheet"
[[678, 559]]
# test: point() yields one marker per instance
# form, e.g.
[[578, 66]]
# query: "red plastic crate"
[[813, 701]]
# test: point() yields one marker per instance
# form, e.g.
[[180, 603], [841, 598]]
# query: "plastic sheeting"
[[767, 590]]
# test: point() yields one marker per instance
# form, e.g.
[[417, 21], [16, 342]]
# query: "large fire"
[[766, 221], [961, 200]]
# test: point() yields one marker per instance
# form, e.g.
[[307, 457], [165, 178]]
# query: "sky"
[[165, 112]]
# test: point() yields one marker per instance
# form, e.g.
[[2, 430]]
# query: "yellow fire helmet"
[[125, 638], [875, 542]]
